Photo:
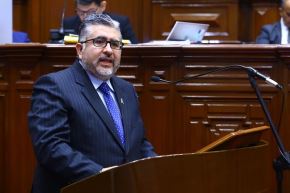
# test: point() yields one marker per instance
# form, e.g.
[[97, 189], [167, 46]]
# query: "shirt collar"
[[95, 81], [283, 26]]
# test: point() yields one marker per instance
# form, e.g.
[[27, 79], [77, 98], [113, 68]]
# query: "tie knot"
[[104, 88]]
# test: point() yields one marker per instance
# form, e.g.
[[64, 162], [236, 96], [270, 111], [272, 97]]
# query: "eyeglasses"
[[82, 13], [101, 42]]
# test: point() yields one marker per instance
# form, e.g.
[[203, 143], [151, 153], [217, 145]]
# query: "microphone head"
[[155, 78]]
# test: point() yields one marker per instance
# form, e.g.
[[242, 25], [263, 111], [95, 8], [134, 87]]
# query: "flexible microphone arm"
[[283, 161], [61, 29], [252, 73], [281, 147], [158, 79], [251, 70]]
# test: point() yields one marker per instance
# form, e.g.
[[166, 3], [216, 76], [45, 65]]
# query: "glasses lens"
[[116, 44], [85, 13], [100, 42]]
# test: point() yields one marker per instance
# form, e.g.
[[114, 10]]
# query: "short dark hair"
[[88, 2], [96, 19], [281, 2]]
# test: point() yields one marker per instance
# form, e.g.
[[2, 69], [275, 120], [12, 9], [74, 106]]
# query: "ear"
[[103, 6], [79, 48]]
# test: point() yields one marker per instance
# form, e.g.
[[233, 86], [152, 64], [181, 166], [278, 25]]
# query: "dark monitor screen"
[[57, 37]]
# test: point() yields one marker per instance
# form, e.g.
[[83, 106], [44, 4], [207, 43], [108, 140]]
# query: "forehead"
[[87, 7], [104, 31]]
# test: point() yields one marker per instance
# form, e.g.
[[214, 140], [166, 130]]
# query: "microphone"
[[57, 35], [251, 71], [265, 78], [158, 79], [61, 29]]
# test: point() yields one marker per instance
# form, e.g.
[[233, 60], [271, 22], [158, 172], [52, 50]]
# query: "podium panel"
[[236, 170]]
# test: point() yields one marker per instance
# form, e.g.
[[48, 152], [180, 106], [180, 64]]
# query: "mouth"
[[106, 62]]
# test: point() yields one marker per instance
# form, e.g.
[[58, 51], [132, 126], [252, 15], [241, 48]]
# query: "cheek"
[[90, 55], [117, 56]]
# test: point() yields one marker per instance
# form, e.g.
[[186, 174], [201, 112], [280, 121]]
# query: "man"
[[84, 119], [85, 7], [277, 33]]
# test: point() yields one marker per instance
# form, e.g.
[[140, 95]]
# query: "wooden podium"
[[233, 170]]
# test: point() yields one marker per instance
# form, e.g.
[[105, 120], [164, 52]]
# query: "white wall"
[[6, 21]]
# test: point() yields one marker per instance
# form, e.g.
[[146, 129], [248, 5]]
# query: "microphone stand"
[[283, 161]]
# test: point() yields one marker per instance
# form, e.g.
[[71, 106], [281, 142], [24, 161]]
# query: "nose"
[[107, 48]]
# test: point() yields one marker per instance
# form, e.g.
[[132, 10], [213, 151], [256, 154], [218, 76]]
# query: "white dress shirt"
[[284, 32]]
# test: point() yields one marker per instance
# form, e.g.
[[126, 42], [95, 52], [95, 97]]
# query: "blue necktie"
[[113, 109]]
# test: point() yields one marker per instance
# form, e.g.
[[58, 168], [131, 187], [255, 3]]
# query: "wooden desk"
[[179, 119], [241, 170]]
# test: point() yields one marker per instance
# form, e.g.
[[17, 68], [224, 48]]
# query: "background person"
[[74, 131], [277, 33], [85, 7]]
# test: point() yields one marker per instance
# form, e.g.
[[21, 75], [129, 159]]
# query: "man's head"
[[100, 44], [86, 7], [285, 11]]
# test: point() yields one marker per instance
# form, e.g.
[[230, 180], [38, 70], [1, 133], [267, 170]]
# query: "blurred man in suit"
[[277, 33], [85, 7], [84, 119]]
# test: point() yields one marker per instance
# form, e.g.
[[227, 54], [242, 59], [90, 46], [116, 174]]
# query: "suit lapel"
[[90, 94], [276, 35]]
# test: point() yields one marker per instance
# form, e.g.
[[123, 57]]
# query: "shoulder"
[[71, 22], [120, 18], [71, 18], [271, 27], [270, 34], [61, 77]]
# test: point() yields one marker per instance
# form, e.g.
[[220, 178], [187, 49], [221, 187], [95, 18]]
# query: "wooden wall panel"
[[37, 17], [263, 14], [131, 8], [51, 15], [235, 19], [20, 153], [178, 119], [221, 17], [284, 130], [158, 99], [3, 118], [4, 109], [21, 68], [19, 15]]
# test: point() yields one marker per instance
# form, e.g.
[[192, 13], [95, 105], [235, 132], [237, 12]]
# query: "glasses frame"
[[82, 13], [107, 41]]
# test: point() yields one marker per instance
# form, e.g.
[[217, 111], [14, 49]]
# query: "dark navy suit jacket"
[[125, 26], [270, 34], [72, 133]]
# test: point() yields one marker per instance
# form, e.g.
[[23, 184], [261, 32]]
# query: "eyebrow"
[[103, 37]]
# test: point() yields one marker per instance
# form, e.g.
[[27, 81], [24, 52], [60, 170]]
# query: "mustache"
[[106, 59]]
